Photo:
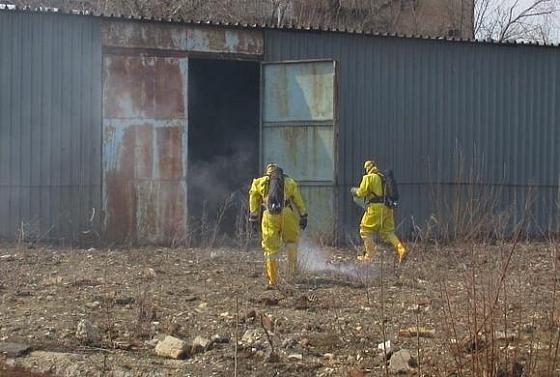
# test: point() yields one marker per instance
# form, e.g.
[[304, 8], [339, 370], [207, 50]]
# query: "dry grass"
[[21, 373]]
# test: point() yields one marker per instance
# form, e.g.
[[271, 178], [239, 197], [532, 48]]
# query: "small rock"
[[172, 347], [250, 337], [148, 273], [7, 258], [190, 298], [199, 345], [91, 250], [87, 332], [402, 362], [202, 306], [304, 342], [13, 349], [295, 357], [93, 305]]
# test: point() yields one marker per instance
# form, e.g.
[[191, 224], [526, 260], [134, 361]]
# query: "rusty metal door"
[[145, 148], [299, 115]]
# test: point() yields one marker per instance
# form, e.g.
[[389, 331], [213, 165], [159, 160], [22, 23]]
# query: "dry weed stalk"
[[487, 296], [236, 336], [108, 303], [243, 232], [467, 209], [383, 326], [267, 333]]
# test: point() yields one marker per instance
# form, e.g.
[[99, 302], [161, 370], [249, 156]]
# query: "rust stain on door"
[[188, 38], [145, 149], [143, 88]]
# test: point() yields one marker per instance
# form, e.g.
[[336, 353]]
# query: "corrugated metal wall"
[[413, 105], [50, 125], [416, 105]]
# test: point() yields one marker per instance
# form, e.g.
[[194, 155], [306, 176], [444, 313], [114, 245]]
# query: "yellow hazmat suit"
[[377, 218], [278, 228]]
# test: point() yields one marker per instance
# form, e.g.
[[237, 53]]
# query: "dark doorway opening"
[[223, 139]]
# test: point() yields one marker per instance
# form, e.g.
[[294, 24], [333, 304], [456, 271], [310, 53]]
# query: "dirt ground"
[[462, 310]]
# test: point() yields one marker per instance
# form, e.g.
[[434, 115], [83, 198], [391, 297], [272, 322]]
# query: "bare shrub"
[[468, 209], [484, 315]]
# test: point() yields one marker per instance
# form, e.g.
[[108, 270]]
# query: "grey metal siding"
[[415, 105], [50, 125]]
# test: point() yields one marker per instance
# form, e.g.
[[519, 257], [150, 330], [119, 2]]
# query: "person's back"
[[279, 221]]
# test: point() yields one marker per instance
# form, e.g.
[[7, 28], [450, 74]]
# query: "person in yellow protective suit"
[[377, 218], [281, 228]]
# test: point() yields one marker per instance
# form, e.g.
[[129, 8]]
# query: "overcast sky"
[[553, 21]]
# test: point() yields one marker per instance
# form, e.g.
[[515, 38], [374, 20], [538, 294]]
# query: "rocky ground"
[[468, 309]]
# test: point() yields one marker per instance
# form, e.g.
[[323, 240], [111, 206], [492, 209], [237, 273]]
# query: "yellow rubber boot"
[[401, 252], [292, 259], [271, 266], [399, 247], [369, 247]]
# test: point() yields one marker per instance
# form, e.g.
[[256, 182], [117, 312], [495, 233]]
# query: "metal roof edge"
[[265, 26]]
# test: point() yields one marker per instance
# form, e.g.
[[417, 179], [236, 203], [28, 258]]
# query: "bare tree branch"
[[505, 20]]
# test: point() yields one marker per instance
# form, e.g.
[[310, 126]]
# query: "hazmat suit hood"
[[272, 167], [370, 167]]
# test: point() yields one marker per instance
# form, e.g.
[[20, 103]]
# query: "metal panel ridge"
[[49, 153]]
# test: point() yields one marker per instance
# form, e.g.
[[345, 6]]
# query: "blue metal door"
[[299, 132]]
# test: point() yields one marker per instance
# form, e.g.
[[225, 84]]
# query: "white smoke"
[[314, 259]]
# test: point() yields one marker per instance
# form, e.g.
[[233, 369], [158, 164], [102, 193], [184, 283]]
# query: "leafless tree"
[[502, 20], [452, 17]]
